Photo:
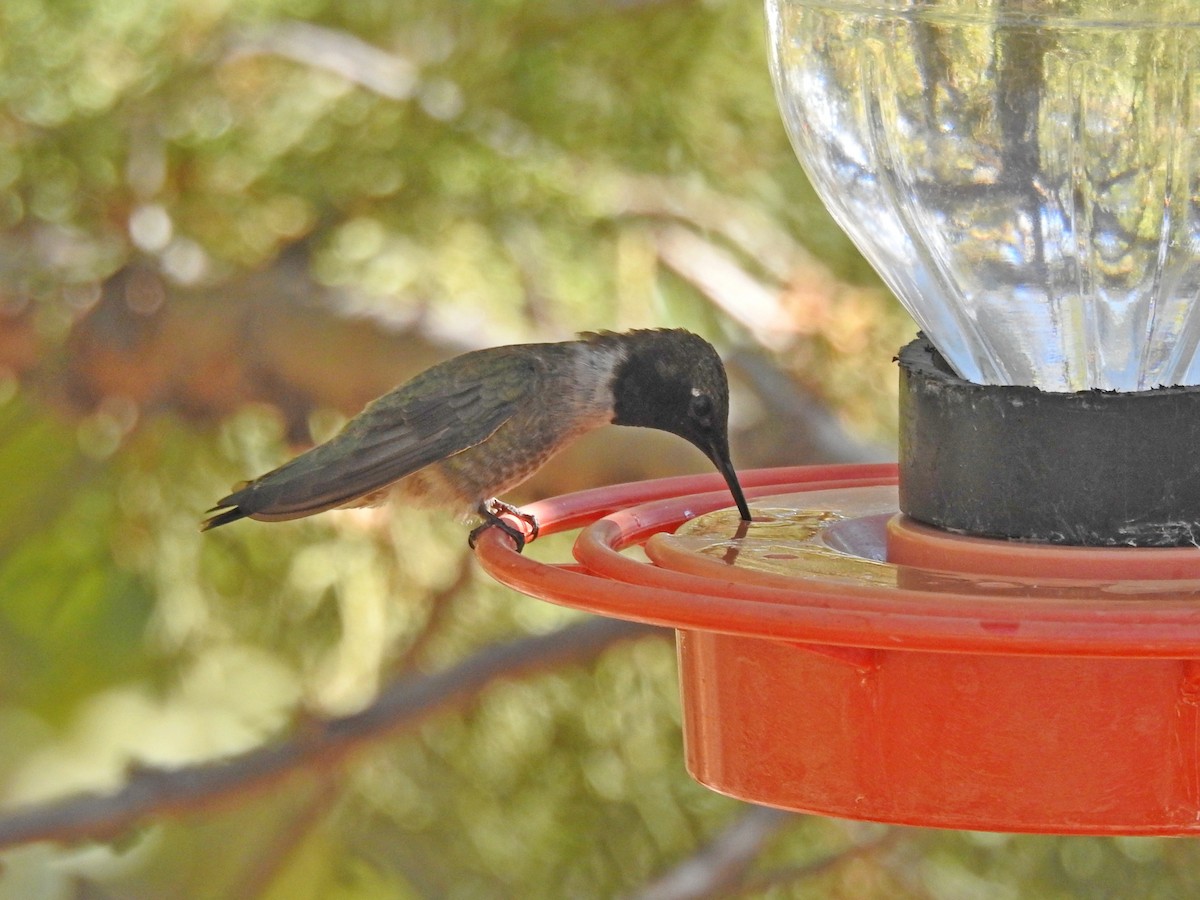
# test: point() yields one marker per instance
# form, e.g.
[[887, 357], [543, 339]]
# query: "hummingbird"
[[477, 425]]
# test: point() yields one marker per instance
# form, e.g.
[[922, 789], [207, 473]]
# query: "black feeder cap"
[[1093, 468]]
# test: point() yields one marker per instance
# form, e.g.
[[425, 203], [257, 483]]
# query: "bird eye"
[[702, 407]]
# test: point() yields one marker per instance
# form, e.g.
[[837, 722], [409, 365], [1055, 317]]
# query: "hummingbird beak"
[[719, 454]]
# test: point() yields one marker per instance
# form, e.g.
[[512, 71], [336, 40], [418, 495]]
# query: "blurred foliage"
[[470, 173], [506, 160]]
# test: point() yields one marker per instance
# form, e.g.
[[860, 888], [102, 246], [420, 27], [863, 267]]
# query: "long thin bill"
[[720, 458]]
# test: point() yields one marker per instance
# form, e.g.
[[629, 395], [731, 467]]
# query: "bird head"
[[674, 381]]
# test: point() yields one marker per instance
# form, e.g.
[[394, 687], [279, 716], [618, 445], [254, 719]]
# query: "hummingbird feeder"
[[1001, 632]]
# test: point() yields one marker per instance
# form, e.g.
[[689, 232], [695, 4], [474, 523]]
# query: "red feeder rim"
[[1025, 602]]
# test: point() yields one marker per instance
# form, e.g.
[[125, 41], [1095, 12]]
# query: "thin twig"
[[320, 744], [266, 864], [718, 867], [792, 874], [440, 605]]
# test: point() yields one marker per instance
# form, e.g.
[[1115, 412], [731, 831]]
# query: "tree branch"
[[387, 74], [318, 745], [717, 274]]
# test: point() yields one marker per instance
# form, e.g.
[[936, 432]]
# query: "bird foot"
[[492, 510]]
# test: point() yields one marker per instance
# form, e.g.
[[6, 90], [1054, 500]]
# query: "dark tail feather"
[[222, 518]]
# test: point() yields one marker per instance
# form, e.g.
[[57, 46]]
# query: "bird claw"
[[492, 510]]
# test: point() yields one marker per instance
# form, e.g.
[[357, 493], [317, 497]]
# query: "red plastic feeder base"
[[837, 658]]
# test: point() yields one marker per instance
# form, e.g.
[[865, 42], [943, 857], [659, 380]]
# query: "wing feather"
[[444, 410]]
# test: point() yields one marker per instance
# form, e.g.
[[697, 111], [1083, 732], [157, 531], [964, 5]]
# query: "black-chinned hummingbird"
[[477, 425]]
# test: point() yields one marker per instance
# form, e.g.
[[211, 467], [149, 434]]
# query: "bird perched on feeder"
[[477, 425]]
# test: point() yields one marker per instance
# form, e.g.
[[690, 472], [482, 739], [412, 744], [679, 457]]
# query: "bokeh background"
[[225, 226]]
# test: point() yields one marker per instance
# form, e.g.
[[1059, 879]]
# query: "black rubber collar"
[[1094, 468]]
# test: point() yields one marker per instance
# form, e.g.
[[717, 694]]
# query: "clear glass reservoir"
[[1024, 174]]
